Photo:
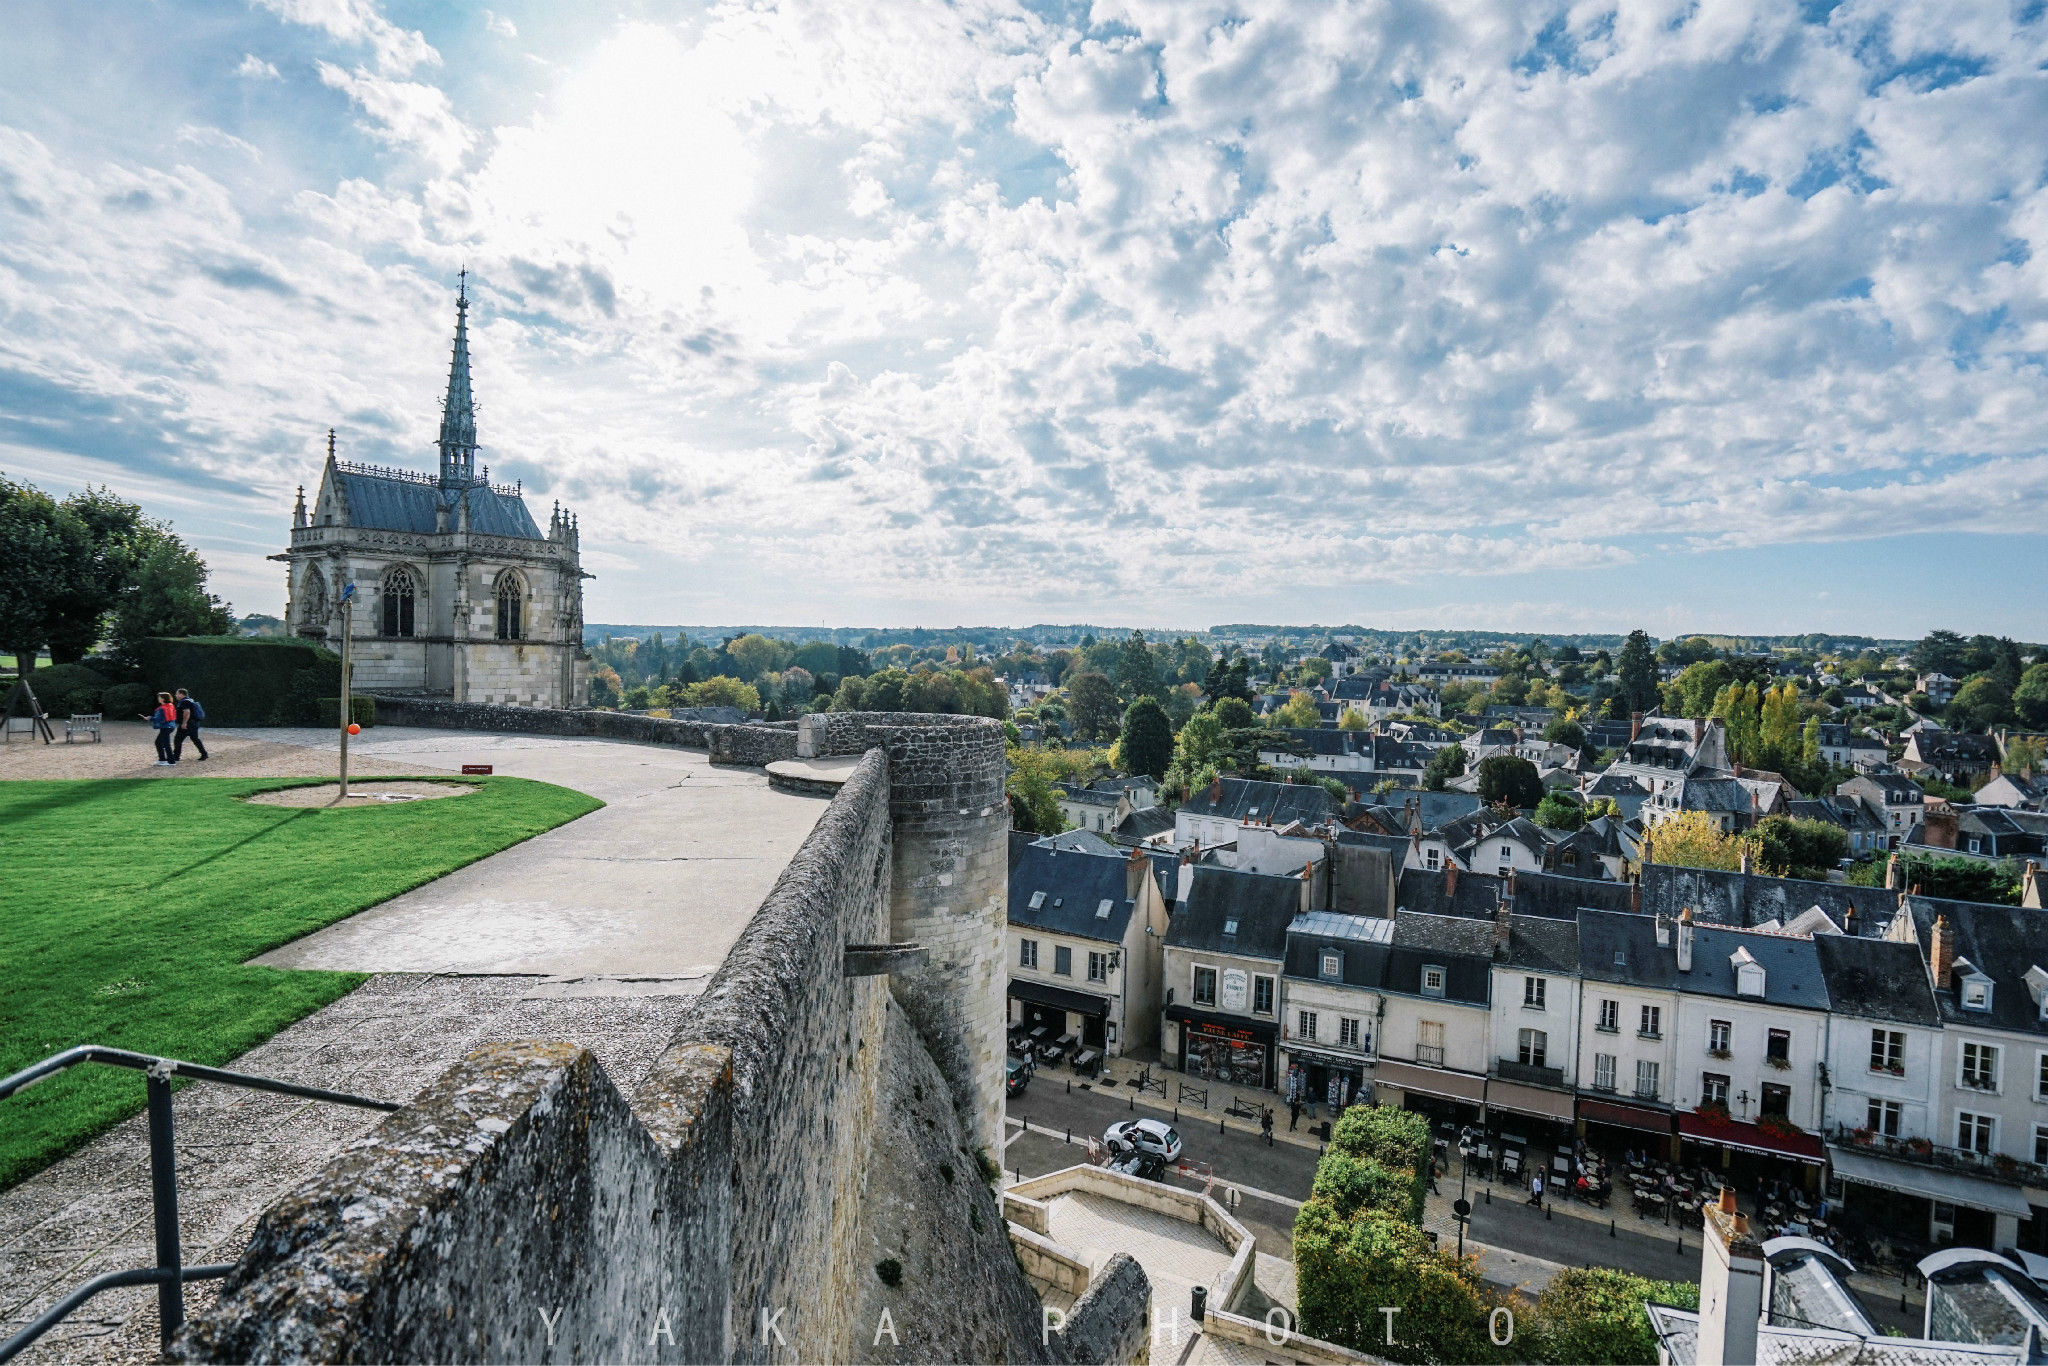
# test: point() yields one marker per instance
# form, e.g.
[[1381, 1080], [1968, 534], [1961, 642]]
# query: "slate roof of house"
[[1423, 892], [1792, 975], [1715, 795], [1144, 823], [1434, 808], [1363, 941], [1079, 841], [2003, 943], [387, 503], [1876, 979], [1542, 944], [1947, 746], [1242, 799], [1234, 912], [1397, 845], [1071, 889], [1133, 784], [1166, 875], [1893, 788], [1324, 742], [1522, 831], [1462, 948], [1721, 897], [1085, 796], [1617, 946], [1612, 784]]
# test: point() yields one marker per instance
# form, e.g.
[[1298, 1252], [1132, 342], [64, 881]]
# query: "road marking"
[[1057, 1137]]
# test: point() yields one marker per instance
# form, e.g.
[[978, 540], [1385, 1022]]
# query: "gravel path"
[[128, 750]]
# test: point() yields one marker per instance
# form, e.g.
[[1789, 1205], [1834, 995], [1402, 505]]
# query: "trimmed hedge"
[[244, 680], [126, 702], [361, 710], [66, 689]]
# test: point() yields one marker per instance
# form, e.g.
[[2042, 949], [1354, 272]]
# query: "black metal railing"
[[170, 1272]]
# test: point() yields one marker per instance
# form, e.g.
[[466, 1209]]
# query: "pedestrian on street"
[[1536, 1190], [164, 720], [1266, 1123], [190, 714], [1293, 1112]]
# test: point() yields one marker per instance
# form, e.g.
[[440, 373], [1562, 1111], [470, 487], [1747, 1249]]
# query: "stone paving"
[[239, 1150]]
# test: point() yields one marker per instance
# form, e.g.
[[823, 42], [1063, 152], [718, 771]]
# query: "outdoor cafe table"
[[1083, 1058]]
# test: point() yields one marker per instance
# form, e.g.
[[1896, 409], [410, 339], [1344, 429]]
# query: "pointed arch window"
[[313, 609], [400, 596], [511, 609]]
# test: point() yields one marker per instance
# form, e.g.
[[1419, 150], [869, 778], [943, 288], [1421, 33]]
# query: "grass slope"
[[127, 908]]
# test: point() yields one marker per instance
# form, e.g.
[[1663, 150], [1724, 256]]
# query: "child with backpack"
[[165, 721]]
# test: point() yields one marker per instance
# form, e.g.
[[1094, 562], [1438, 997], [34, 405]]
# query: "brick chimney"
[[1635, 725], [1893, 877], [1941, 952], [1136, 869], [2030, 886], [1685, 940], [1450, 880], [1511, 883], [1939, 824], [1216, 789], [1635, 892]]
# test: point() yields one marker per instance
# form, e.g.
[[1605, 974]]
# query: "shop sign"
[[1236, 987]]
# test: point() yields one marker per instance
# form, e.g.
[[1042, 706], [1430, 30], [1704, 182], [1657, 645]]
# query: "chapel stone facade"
[[458, 592]]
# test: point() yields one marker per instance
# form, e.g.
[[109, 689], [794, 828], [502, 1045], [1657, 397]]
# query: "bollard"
[[1489, 1195], [1070, 1086], [1681, 1244], [1612, 1232], [1546, 1214], [1070, 1133], [1902, 1302], [1219, 1125], [1176, 1114], [1134, 1103]]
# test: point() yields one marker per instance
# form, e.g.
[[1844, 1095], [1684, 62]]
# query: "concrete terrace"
[[599, 932]]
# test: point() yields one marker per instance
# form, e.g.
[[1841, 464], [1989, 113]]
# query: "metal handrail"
[[170, 1273]]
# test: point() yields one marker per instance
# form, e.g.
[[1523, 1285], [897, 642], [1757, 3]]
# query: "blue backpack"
[[198, 712]]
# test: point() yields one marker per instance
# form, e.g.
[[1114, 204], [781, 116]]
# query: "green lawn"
[[127, 908]]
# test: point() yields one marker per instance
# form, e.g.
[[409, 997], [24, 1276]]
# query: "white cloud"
[[254, 68], [500, 25], [404, 114], [360, 23], [1188, 304]]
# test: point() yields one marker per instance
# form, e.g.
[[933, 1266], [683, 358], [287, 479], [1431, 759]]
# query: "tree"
[[1691, 839], [1228, 679], [1300, 712], [1447, 763], [754, 653], [1955, 879], [605, 688], [1595, 1315], [1092, 702], [2030, 698], [1700, 684], [1638, 669], [168, 596], [38, 548], [1195, 753], [1941, 652], [1506, 780], [1137, 673], [1352, 719], [1234, 713], [1147, 738], [1565, 731], [2024, 753], [109, 538], [1980, 704], [722, 691], [1033, 806], [1557, 813], [1784, 846]]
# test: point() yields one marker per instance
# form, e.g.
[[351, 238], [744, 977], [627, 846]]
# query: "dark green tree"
[[2030, 698], [1228, 678], [1233, 713], [1506, 780], [1147, 740], [1447, 763], [39, 551], [1556, 813], [102, 569], [1638, 670], [1137, 672], [1092, 702]]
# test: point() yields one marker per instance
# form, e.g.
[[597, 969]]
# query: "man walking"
[[1266, 1123], [190, 714], [1536, 1190], [1293, 1112]]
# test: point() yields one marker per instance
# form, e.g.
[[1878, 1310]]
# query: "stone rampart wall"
[[756, 744]]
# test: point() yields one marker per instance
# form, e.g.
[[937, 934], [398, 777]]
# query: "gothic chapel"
[[458, 593]]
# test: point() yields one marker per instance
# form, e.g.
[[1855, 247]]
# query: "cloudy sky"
[[1727, 315]]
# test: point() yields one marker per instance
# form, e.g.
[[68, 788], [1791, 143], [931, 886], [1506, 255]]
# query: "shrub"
[[1595, 1315], [245, 681], [1348, 1269], [126, 702], [64, 689], [1391, 1137], [1353, 1183]]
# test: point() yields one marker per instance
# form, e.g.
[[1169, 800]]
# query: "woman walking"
[[165, 719]]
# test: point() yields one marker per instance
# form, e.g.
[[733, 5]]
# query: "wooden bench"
[[82, 723]]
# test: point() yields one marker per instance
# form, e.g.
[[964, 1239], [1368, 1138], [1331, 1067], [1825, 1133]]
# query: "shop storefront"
[[1059, 1011], [1453, 1097], [1614, 1126], [1750, 1152], [1947, 1208], [1226, 1049], [1513, 1107], [1317, 1079]]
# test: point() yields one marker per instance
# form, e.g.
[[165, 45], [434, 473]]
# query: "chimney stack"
[[1731, 1287], [1663, 930], [1893, 878], [1511, 882], [1216, 789], [1941, 952], [1742, 860], [1635, 725], [1136, 869], [1685, 940], [1450, 880], [2030, 886], [1503, 926], [1635, 892], [1699, 729]]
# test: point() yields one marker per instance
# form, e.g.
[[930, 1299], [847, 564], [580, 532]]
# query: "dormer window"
[[1037, 900], [1102, 909], [1230, 927], [1332, 965], [1976, 994], [1432, 981], [1749, 974]]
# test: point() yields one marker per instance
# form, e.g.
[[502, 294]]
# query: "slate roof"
[[1259, 905], [1143, 823], [1462, 948], [1616, 946], [1542, 944], [2002, 942], [1166, 875], [1792, 975], [386, 503], [1070, 889], [1876, 979], [1716, 795], [1423, 892], [1324, 742], [1084, 796], [1241, 799], [1721, 897], [1364, 942], [1079, 841]]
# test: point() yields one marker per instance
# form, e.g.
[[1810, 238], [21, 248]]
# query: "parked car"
[[1147, 1165], [1019, 1076], [1153, 1136]]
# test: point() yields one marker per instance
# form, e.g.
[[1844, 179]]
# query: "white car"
[[1153, 1136]]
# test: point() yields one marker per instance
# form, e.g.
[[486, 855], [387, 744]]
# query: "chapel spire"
[[458, 412]]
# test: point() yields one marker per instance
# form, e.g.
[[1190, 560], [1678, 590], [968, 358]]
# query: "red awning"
[[1733, 1133], [1627, 1116]]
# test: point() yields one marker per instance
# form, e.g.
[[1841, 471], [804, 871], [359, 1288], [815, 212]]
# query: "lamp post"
[[348, 605]]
